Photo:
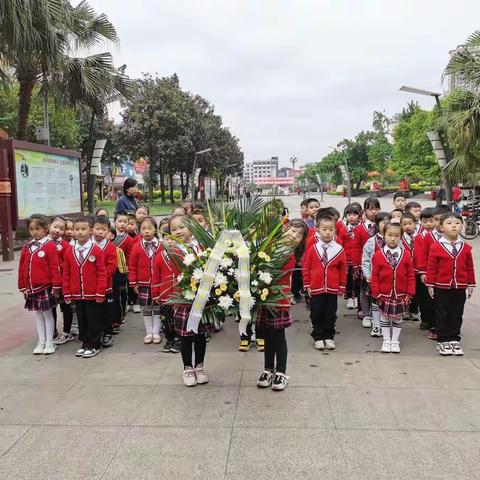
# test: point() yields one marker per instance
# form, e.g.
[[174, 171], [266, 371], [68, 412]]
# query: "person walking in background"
[[128, 202]]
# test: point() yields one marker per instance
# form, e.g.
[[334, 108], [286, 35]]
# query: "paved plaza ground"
[[350, 414]]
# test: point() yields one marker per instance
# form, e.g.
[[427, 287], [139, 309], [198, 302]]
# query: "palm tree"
[[460, 113], [38, 40]]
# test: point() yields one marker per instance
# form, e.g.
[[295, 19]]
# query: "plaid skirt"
[[393, 307], [180, 320], [41, 301], [274, 320], [144, 298]]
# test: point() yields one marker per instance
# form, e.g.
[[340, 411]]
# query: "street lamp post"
[[195, 168], [442, 135]]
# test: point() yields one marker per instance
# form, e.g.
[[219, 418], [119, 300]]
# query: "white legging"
[[45, 327], [151, 319]]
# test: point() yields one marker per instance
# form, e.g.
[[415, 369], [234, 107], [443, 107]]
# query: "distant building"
[[260, 169], [457, 81], [285, 172], [393, 121]]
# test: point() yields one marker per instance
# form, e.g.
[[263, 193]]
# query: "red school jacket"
[[428, 240], [111, 263], [61, 246], [446, 271], [388, 281], [360, 238], [348, 244], [321, 278], [164, 276], [140, 268], [415, 249], [86, 280], [38, 269], [286, 280], [126, 243]]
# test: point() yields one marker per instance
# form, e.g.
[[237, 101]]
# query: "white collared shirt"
[[332, 248], [82, 248], [102, 244], [436, 234], [396, 250], [449, 245], [151, 251], [42, 242]]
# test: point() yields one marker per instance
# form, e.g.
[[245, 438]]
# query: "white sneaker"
[[265, 380], [456, 348], [136, 309], [280, 382], [74, 330], [319, 345], [444, 348], [350, 304], [148, 339], [395, 347], [49, 349], [189, 378], [376, 332], [80, 352], [201, 375], [330, 344], [355, 302], [39, 349], [386, 347], [367, 322]]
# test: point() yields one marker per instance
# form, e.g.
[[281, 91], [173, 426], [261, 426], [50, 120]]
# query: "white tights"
[[152, 324], [45, 327]]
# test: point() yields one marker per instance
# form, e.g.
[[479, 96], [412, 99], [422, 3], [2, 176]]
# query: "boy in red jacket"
[[84, 282], [325, 276], [101, 228], [450, 280]]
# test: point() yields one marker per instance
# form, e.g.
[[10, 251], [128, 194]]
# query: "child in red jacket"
[[140, 273], [101, 229], [325, 277], [351, 217], [39, 281], [450, 280], [84, 282], [393, 286]]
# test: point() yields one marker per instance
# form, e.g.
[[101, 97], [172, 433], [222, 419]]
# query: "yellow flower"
[[264, 256], [193, 280], [236, 295], [218, 292], [265, 291], [193, 288], [223, 287], [263, 297], [252, 268]]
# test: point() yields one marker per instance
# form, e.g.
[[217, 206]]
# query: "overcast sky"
[[292, 77]]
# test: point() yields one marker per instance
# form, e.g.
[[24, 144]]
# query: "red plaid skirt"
[[180, 320], [393, 307], [41, 301], [274, 320], [144, 298]]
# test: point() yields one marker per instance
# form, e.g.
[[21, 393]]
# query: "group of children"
[[410, 263], [388, 265]]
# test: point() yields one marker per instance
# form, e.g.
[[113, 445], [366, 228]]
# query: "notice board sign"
[[44, 180]]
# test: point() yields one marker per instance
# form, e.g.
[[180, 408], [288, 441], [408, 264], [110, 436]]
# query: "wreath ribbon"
[[211, 269]]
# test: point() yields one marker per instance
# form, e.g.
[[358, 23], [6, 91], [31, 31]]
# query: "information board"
[[46, 183]]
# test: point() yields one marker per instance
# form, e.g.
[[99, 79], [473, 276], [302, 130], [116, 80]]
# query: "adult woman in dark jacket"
[[128, 201]]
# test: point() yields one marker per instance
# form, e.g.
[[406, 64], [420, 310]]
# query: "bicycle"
[[471, 226]]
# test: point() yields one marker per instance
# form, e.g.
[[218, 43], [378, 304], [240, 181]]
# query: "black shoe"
[[424, 326], [207, 335], [107, 341], [116, 330], [168, 345], [177, 347]]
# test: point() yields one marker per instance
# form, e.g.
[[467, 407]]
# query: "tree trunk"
[[162, 181], [182, 186], [91, 179], [170, 178], [27, 80], [187, 184]]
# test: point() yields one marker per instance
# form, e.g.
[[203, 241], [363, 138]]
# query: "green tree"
[[413, 156], [380, 151]]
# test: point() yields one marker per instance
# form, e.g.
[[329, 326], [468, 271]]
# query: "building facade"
[[260, 169]]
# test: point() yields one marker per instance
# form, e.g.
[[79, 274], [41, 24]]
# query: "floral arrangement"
[[261, 242]]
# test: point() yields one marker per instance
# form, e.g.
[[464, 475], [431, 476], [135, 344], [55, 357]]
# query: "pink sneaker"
[[432, 334], [189, 378]]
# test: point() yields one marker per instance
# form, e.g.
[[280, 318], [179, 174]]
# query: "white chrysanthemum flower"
[[180, 277], [231, 272], [225, 302], [203, 253], [189, 259], [236, 272], [255, 283], [226, 263], [198, 274], [220, 279], [265, 277], [189, 295], [252, 301]]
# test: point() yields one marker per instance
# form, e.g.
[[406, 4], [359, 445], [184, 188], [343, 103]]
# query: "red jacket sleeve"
[[419, 260], [342, 272], [110, 262], [157, 275], [67, 275], [53, 265], [410, 277], [133, 267], [101, 275], [432, 267], [306, 268], [470, 269], [21, 270], [375, 278], [357, 248]]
